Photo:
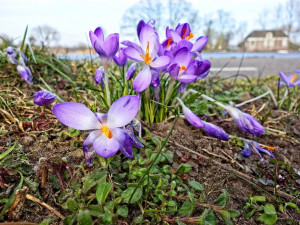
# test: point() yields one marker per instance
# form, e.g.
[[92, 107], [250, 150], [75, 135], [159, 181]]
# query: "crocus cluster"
[[289, 81], [23, 70], [108, 132], [177, 54], [251, 147]]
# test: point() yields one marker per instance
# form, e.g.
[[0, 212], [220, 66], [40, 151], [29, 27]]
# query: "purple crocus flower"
[[131, 71], [155, 81], [44, 98], [25, 73], [106, 48], [289, 81], [107, 136], [209, 128], [256, 148], [99, 76], [145, 53], [133, 139], [121, 59], [179, 69], [244, 121], [11, 55]]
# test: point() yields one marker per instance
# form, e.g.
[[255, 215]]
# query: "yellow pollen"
[[267, 147], [107, 132], [190, 36], [169, 42], [147, 58], [182, 68], [293, 78]]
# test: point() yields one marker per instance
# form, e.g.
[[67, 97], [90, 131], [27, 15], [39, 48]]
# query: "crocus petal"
[[185, 44], [123, 111], [186, 78], [134, 140], [247, 152], [124, 142], [149, 36], [99, 34], [111, 45], [284, 77], [131, 71], [203, 69], [99, 76], [190, 116], [215, 131], [87, 144], [297, 83], [160, 62], [25, 73], [133, 45], [182, 87], [174, 70], [106, 147], [142, 80], [265, 151], [121, 59], [44, 98], [183, 57], [9, 50], [102, 117], [76, 115], [200, 43], [297, 71], [155, 82], [140, 25], [176, 37], [133, 54]]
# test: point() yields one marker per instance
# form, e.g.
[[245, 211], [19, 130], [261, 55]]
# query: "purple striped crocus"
[[107, 135], [251, 147], [146, 53], [44, 98], [209, 128], [106, 48], [25, 73], [99, 76], [121, 59]]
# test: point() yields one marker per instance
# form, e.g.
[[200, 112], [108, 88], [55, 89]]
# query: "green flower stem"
[[169, 91], [107, 92]]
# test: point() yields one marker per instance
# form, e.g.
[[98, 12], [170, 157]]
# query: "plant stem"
[[107, 92], [169, 91]]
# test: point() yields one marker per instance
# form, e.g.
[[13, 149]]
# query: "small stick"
[[34, 199]]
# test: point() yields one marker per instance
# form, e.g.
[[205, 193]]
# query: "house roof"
[[262, 33]]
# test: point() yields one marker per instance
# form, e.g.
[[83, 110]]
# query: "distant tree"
[[264, 18], [44, 35], [169, 14]]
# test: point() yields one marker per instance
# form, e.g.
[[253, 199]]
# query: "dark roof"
[[262, 33]]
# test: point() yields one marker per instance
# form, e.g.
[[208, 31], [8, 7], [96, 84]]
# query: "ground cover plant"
[[145, 136]]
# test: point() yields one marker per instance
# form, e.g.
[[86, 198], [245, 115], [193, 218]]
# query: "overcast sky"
[[74, 18]]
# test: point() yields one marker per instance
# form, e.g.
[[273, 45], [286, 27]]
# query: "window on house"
[[252, 43], [269, 35], [284, 43]]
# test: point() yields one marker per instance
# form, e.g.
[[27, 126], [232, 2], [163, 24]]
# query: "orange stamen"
[[147, 58], [268, 147], [105, 130], [293, 78], [191, 35], [183, 33], [169, 42], [182, 68]]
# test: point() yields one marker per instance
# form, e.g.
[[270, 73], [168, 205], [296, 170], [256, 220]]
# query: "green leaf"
[[226, 216], [128, 192], [233, 213], [186, 208], [250, 214], [102, 191], [107, 218], [292, 205], [72, 204], [223, 199], [258, 199], [46, 222], [268, 219], [84, 218], [183, 168], [208, 218], [69, 220], [123, 211], [196, 185], [269, 209], [191, 197]]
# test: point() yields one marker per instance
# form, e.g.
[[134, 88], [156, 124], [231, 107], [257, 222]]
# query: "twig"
[[34, 199]]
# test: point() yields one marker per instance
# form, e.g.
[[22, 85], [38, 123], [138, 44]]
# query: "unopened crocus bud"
[[10, 50], [23, 59], [155, 81], [215, 131], [131, 71], [25, 73], [44, 98], [121, 59], [11, 55], [99, 76]]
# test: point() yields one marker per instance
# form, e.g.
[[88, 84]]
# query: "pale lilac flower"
[[107, 135], [11, 55], [44, 98], [145, 53], [25, 73], [131, 71], [121, 59], [99, 76], [289, 81], [256, 148], [106, 48], [209, 128]]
